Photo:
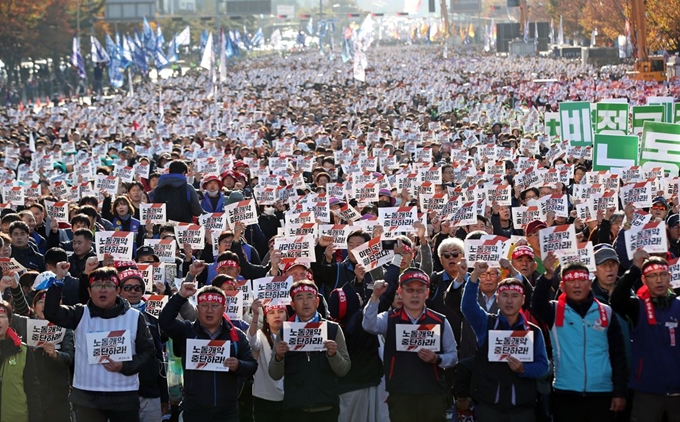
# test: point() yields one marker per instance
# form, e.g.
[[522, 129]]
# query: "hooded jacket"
[[182, 198]]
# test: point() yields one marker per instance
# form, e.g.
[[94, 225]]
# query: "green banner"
[[642, 114], [575, 123], [615, 151], [668, 107], [612, 118], [660, 146], [552, 123]]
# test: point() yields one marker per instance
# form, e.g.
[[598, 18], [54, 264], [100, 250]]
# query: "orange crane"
[[647, 68]]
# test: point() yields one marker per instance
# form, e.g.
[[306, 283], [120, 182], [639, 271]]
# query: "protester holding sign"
[[153, 385], [654, 312], [53, 350], [173, 189], [20, 385], [209, 394], [120, 213], [310, 378], [504, 390], [267, 393], [415, 378], [109, 387], [588, 350]]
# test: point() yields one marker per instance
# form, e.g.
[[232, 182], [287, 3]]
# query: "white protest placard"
[[207, 355], [674, 269], [367, 192], [321, 210], [191, 234], [214, 221], [347, 213], [506, 343], [108, 184], [234, 306], [651, 237], [339, 232], [299, 248], [41, 331], [487, 250], [435, 202], [640, 219], [272, 290], [640, 194], [242, 211], [155, 304], [298, 216], [559, 204], [559, 239], [585, 256], [154, 213], [57, 211], [305, 336], [501, 194], [465, 215], [109, 345], [294, 230], [115, 243], [398, 219], [521, 216], [164, 249], [372, 255], [124, 173], [413, 337], [264, 195], [142, 170], [13, 194]]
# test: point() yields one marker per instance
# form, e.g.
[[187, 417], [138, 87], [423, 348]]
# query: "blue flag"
[[116, 77], [99, 55], [257, 39], [204, 40], [148, 37], [77, 59], [172, 50]]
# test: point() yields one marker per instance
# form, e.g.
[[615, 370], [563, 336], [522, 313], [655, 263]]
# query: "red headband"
[[273, 307], [227, 263], [303, 288], [212, 297], [510, 287], [124, 275], [414, 276], [576, 275], [3, 310], [112, 278], [407, 248], [655, 267]]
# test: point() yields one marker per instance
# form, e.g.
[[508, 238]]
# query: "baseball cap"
[[604, 254], [535, 226], [414, 274], [147, 250], [660, 199], [521, 251], [673, 220]]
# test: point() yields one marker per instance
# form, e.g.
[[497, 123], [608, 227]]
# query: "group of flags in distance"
[[137, 52]]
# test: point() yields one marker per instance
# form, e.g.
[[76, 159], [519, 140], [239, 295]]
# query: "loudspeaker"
[[431, 6]]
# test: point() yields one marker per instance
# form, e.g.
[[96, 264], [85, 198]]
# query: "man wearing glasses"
[[654, 312], [106, 390], [415, 378], [208, 396]]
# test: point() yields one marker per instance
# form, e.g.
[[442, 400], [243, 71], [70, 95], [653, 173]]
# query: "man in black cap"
[[673, 228], [659, 208], [146, 255]]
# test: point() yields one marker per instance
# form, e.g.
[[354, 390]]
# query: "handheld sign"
[[487, 250], [207, 355], [299, 248], [105, 345], [651, 237], [57, 211], [305, 336], [164, 249], [558, 239], [243, 211], [191, 234], [41, 331], [398, 219], [413, 337], [505, 343], [11, 264], [214, 221], [273, 290], [372, 255], [155, 213], [234, 306], [339, 232], [117, 244], [155, 304]]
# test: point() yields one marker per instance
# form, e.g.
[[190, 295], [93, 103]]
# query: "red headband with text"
[[655, 267], [414, 276], [576, 275], [510, 287], [227, 263], [303, 288], [211, 298], [112, 278]]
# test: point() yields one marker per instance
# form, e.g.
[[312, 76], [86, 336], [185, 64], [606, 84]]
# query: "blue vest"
[[206, 203], [581, 351], [134, 228], [405, 372], [656, 351]]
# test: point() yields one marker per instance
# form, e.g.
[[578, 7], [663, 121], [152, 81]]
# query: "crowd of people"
[[424, 332]]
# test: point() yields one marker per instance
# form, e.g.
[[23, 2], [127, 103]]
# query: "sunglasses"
[[449, 255], [659, 207], [136, 288]]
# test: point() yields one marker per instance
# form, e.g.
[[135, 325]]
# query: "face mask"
[[213, 193], [383, 204]]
